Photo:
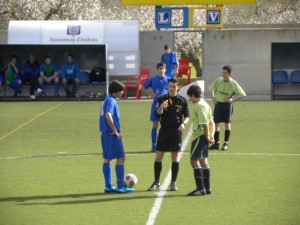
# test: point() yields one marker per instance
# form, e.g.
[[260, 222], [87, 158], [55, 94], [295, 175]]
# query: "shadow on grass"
[[107, 197]]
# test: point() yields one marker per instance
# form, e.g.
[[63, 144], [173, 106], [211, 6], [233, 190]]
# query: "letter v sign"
[[213, 17]]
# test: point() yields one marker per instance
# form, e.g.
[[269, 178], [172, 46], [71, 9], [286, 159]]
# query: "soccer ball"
[[130, 180]]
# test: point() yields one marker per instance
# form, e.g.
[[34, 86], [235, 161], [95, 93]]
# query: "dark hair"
[[70, 55], [194, 90], [47, 57], [173, 80], [160, 64], [14, 57], [228, 68], [115, 86], [166, 47]]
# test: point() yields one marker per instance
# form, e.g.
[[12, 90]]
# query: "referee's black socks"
[[174, 169], [227, 135], [217, 137], [157, 171]]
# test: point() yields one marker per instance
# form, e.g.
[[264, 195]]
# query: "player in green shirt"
[[203, 133], [225, 91]]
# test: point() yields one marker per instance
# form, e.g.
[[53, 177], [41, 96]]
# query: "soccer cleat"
[[197, 192], [56, 95], [125, 190], [207, 191], [32, 97], [112, 189], [173, 187], [225, 146], [39, 90], [154, 186], [215, 146]]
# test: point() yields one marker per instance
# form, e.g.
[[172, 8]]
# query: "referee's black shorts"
[[223, 112], [169, 140]]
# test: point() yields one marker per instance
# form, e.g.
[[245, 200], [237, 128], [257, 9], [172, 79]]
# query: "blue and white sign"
[[213, 17], [163, 17]]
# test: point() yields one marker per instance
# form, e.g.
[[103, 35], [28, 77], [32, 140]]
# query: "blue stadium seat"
[[295, 76], [84, 77], [280, 77]]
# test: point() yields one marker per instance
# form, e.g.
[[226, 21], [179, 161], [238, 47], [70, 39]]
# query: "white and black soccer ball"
[[130, 180]]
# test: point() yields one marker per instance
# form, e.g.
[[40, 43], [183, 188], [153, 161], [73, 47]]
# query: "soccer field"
[[51, 168]]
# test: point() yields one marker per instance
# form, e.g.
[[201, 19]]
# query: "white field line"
[[160, 195], [66, 155]]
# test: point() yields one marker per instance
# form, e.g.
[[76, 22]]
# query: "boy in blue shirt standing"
[[159, 86], [111, 139], [171, 61], [70, 73]]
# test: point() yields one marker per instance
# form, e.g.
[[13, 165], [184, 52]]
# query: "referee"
[[222, 91], [174, 113]]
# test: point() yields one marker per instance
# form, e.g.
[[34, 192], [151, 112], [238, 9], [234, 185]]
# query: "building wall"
[[152, 47], [248, 51]]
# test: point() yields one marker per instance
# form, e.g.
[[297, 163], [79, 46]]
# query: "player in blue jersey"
[[48, 74], [14, 79], [155, 87], [171, 61], [1, 74], [70, 73], [111, 139]]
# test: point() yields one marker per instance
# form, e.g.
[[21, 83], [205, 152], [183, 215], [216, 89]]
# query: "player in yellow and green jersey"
[[203, 134], [225, 91]]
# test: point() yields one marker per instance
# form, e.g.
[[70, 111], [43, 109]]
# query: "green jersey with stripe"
[[202, 115], [225, 89]]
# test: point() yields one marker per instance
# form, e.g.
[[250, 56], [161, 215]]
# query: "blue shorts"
[[199, 148], [112, 148], [153, 114]]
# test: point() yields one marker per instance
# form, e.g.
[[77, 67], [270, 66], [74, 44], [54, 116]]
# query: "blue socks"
[[153, 137], [120, 175], [106, 169]]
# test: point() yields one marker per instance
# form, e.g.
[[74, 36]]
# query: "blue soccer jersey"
[[170, 59], [70, 70], [158, 84], [109, 105]]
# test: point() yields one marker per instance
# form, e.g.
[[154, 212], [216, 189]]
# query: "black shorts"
[[223, 112], [169, 140], [199, 148]]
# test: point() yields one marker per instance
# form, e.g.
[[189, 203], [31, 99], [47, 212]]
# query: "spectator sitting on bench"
[[70, 74], [31, 70], [1, 74], [48, 74], [14, 79]]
